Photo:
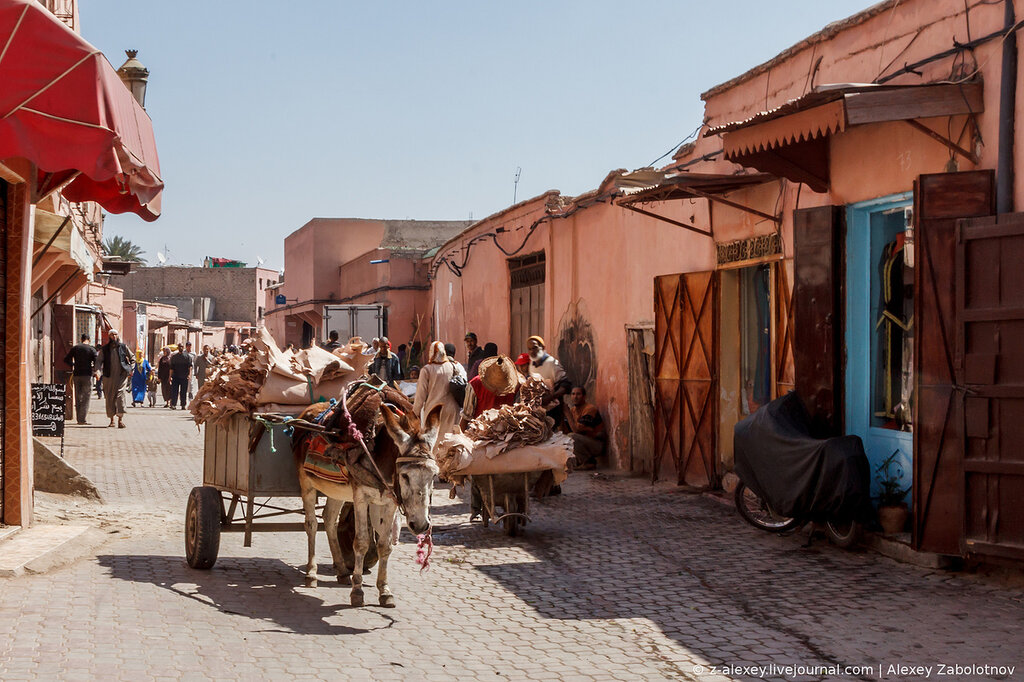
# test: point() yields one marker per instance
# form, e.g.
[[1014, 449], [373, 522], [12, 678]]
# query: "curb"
[[41, 548]]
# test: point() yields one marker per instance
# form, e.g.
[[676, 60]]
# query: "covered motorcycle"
[[796, 474]]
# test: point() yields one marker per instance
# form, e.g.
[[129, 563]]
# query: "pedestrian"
[[192, 362], [385, 363], [474, 353], [99, 382], [152, 384], [495, 385], [332, 343], [202, 364], [181, 373], [163, 373], [408, 385], [490, 350], [139, 378], [117, 368], [82, 358], [547, 368], [433, 390]]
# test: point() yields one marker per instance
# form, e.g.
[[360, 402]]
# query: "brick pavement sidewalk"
[[615, 579]]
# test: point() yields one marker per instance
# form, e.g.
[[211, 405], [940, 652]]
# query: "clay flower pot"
[[893, 518]]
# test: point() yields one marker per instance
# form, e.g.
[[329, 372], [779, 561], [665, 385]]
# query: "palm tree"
[[119, 247]]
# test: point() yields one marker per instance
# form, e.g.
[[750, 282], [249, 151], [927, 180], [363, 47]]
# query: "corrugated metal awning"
[[791, 140], [708, 186]]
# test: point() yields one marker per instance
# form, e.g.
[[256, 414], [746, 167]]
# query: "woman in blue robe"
[[142, 370]]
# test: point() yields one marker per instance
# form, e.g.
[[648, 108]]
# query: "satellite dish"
[[161, 257], [260, 260]]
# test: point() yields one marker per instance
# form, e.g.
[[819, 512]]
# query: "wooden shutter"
[[818, 313], [686, 337], [990, 364], [939, 200], [785, 367]]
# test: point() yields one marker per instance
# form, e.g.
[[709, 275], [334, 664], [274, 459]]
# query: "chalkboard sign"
[[48, 409]]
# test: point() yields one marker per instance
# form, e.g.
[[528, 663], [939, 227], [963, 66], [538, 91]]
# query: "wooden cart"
[[510, 492], [248, 469]]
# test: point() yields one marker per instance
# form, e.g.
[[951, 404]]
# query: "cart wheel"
[[202, 527]]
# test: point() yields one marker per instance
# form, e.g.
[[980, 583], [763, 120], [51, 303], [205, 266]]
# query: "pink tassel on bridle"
[[424, 548]]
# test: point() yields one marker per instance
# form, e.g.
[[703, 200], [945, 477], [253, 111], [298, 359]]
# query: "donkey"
[[401, 476]]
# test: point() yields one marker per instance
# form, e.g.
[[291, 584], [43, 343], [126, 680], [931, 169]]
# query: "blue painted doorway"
[[879, 332]]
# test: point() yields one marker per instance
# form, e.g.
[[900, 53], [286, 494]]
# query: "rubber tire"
[[346, 538], [791, 524], [844, 540], [202, 527]]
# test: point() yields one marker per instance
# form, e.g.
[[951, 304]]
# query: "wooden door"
[[686, 338], [817, 301], [990, 367], [938, 481], [526, 300], [641, 399]]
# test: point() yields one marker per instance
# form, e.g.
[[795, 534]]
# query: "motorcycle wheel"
[[758, 514], [843, 534]]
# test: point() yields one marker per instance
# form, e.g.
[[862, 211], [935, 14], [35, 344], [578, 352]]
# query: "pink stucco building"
[[327, 261]]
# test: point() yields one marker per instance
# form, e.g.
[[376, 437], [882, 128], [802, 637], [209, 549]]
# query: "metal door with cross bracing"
[[686, 381], [990, 368]]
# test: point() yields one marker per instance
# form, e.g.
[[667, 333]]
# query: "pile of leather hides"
[[266, 378], [459, 456], [510, 439]]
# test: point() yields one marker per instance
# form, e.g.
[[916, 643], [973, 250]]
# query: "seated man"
[[586, 428]]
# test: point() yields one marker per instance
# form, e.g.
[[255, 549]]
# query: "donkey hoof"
[[357, 599], [387, 600], [345, 579], [310, 582]]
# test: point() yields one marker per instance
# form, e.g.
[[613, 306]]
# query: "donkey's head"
[[415, 467]]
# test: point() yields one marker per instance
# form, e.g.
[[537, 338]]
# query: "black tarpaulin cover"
[[800, 476]]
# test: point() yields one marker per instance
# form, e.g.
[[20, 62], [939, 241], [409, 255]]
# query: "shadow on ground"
[[609, 549], [255, 588]]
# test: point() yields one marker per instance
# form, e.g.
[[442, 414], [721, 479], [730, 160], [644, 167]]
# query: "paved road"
[[613, 580]]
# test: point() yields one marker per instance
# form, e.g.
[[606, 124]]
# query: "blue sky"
[[270, 113]]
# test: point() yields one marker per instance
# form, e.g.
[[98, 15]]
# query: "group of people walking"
[[118, 370], [489, 380]]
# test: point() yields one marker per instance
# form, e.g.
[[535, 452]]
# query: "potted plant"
[[892, 510]]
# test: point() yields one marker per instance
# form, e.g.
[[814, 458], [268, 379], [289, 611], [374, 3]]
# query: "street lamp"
[[135, 76]]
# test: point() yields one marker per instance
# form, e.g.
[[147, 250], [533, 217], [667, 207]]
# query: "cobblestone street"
[[612, 580]]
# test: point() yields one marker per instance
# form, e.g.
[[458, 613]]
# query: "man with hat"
[[544, 366], [494, 386]]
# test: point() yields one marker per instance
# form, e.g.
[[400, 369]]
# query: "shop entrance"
[[880, 332]]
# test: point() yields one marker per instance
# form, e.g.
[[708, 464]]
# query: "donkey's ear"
[[393, 423], [431, 426]]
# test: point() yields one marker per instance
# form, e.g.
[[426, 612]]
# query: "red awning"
[[63, 107]]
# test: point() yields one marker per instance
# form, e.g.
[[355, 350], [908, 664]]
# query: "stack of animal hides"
[[267, 379], [510, 439]]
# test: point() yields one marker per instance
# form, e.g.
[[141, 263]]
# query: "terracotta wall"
[[875, 160], [600, 266], [400, 285], [110, 300]]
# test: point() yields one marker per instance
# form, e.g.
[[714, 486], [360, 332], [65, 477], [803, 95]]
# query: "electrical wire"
[[680, 144]]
